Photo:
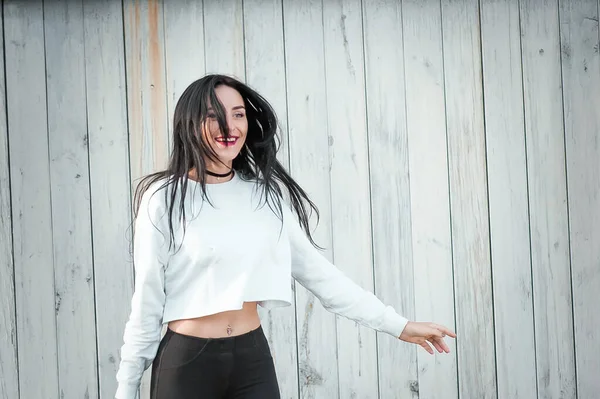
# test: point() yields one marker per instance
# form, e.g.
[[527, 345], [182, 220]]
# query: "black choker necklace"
[[218, 175]]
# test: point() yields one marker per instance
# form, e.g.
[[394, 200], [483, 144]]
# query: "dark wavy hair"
[[256, 161]]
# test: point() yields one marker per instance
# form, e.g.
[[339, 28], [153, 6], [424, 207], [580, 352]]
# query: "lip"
[[232, 141]]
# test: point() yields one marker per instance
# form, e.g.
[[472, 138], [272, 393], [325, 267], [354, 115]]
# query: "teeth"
[[230, 139]]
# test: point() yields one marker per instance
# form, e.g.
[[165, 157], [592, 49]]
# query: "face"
[[235, 112]]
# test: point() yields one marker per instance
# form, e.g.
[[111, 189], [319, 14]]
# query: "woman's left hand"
[[427, 334]]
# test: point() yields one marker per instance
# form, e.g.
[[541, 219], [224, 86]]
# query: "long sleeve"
[[336, 292], [142, 331]]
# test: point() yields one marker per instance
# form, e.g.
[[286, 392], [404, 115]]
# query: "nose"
[[230, 124]]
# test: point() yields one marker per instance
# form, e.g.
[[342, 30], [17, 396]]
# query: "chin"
[[228, 155]]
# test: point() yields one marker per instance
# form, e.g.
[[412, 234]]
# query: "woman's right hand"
[[427, 335]]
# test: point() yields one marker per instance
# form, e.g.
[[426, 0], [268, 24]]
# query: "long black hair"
[[256, 161]]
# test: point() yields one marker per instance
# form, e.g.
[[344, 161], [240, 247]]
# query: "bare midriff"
[[219, 325]]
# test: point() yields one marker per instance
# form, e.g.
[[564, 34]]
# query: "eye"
[[211, 116], [239, 115]]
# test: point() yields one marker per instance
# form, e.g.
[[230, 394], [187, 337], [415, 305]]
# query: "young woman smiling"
[[214, 238]]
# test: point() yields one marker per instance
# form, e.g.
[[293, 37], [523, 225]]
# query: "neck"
[[218, 169], [216, 180]]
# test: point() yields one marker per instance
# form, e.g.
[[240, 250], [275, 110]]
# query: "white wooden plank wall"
[[552, 303], [146, 86], [265, 71], [387, 140], [30, 188], [9, 368], [452, 147], [429, 194], [224, 37], [69, 177], [184, 40], [310, 165], [109, 180], [146, 96], [349, 185], [468, 199], [509, 212], [581, 81]]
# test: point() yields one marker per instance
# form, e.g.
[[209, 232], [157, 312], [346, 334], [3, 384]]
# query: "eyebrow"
[[234, 108]]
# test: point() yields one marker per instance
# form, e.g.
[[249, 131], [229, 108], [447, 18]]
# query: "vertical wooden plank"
[[146, 88], [349, 169], [146, 97], [509, 214], [387, 139], [547, 199], [265, 60], [69, 176], [184, 48], [429, 192], [309, 164], [224, 37], [9, 367], [265, 71], [30, 194], [109, 181], [468, 199], [581, 95]]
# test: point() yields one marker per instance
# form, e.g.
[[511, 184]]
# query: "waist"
[[225, 324], [248, 340]]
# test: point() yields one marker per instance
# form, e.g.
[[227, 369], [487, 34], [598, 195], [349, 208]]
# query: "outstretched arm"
[[340, 295]]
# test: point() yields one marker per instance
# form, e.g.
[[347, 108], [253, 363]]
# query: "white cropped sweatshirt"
[[235, 249]]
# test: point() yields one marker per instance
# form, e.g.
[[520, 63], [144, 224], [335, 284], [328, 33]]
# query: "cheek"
[[205, 137], [243, 126], [208, 131], [212, 127], [244, 130]]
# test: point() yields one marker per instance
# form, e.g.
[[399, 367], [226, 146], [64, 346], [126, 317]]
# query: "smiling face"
[[226, 149]]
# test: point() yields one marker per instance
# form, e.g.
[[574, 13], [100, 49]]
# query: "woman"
[[213, 239]]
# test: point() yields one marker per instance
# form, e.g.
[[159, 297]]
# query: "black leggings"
[[239, 367]]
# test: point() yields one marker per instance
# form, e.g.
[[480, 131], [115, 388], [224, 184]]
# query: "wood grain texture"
[[265, 72], [265, 60], [469, 199], [390, 191], [310, 164], [509, 213], [109, 182], [349, 171], [30, 194], [429, 190], [581, 97], [9, 369], [435, 255], [547, 199], [224, 37], [146, 88], [184, 49], [146, 97], [70, 195]]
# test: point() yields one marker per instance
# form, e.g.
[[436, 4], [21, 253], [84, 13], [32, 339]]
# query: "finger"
[[429, 331], [436, 345], [444, 330], [426, 346], [443, 345]]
